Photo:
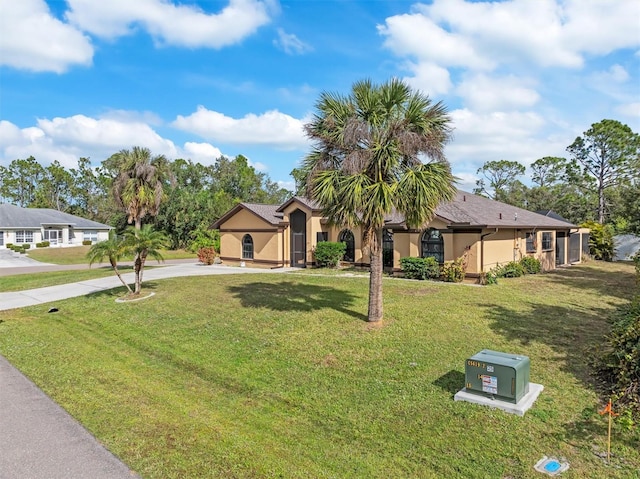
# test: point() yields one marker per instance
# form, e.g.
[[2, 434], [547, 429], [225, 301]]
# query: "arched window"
[[432, 245], [247, 247], [346, 236]]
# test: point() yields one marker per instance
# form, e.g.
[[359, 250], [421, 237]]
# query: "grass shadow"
[[451, 382], [573, 333], [295, 296], [595, 278]]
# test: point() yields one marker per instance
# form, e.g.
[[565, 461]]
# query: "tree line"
[[193, 195], [599, 181]]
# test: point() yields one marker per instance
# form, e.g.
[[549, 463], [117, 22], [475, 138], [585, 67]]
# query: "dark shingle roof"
[[466, 210], [268, 213], [12, 216], [469, 209]]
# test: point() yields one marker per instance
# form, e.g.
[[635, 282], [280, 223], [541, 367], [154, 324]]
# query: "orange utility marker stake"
[[608, 410]]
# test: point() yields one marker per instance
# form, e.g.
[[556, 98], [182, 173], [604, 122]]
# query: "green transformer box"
[[497, 375]]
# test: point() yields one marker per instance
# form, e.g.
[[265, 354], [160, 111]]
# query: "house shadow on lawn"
[[573, 333], [294, 296], [598, 280]]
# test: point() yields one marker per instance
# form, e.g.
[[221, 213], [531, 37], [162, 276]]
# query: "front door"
[[560, 247], [387, 250], [298, 239], [53, 236]]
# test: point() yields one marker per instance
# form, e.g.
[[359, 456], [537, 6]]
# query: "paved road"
[[38, 439]]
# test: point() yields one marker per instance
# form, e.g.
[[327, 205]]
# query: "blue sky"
[[197, 79]]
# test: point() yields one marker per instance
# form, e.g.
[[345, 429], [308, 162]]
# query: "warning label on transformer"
[[489, 384]]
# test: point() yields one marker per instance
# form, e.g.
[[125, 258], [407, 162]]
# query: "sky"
[[191, 79]]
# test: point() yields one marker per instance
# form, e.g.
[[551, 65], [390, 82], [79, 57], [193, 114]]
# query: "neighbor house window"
[[247, 247], [90, 236], [24, 236], [432, 245], [322, 236], [346, 236], [531, 242], [546, 241]]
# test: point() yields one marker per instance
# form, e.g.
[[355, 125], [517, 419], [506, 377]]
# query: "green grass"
[[78, 255], [21, 282], [277, 375]]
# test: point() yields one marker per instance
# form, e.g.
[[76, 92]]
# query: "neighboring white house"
[[33, 225]]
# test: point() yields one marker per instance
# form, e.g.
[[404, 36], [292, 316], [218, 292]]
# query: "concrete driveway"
[[9, 259]]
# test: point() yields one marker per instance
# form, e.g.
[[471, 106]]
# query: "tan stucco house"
[[33, 225], [489, 232]]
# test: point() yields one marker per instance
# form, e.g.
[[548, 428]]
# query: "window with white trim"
[[547, 240], [90, 236], [24, 236]]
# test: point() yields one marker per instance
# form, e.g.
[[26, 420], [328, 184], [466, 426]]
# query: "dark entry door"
[[574, 248], [387, 249], [298, 239], [561, 242]]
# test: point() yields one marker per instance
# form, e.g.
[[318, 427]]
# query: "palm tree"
[[114, 248], [138, 188], [143, 243], [367, 163]]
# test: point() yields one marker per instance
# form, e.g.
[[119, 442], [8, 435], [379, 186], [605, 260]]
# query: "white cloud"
[[203, 153], [271, 128], [67, 139], [290, 43], [615, 74], [419, 36], [168, 23], [513, 136], [32, 39], [631, 110], [485, 35], [429, 78], [486, 93]]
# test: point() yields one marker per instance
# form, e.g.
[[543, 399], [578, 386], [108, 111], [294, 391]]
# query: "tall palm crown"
[[367, 162], [138, 188]]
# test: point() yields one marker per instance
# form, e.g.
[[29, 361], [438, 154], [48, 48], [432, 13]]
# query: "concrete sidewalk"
[[31, 297], [38, 439]]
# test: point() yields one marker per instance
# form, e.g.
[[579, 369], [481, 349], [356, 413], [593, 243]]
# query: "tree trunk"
[[375, 277], [114, 265], [137, 266]]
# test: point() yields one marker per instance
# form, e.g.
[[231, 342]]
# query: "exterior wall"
[[485, 249], [499, 247], [10, 236], [267, 240]]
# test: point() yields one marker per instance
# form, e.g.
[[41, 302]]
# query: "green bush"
[[203, 237], [26, 246], [207, 255], [9, 245], [512, 269], [420, 268], [454, 271], [87, 242], [489, 277], [42, 244], [618, 367], [328, 253], [530, 265], [601, 244]]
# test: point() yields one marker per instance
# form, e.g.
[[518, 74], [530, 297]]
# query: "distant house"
[[34, 225], [490, 233]]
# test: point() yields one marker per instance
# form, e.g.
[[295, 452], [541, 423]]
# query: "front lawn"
[[276, 375], [78, 255]]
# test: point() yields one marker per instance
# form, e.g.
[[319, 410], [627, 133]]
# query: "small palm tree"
[[368, 162], [113, 249], [143, 243]]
